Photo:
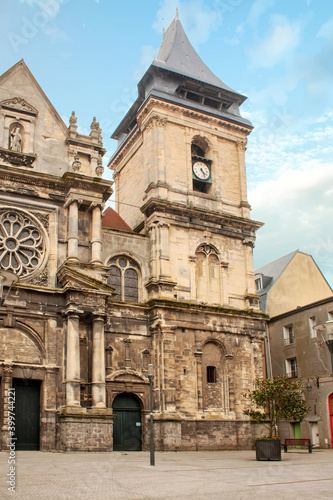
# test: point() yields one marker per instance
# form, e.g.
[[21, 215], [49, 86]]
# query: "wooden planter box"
[[268, 449]]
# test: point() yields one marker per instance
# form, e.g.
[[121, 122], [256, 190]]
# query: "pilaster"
[[96, 235], [73, 231], [73, 379], [98, 363]]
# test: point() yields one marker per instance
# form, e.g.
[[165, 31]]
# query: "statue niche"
[[15, 139]]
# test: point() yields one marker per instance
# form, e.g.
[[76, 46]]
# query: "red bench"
[[305, 443]]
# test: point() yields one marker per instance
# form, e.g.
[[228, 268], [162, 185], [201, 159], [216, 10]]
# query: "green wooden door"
[[297, 430], [27, 396], [127, 424]]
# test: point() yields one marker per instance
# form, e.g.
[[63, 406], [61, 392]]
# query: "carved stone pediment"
[[19, 104], [17, 158], [127, 376], [73, 278]]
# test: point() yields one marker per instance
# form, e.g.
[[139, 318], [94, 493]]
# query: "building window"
[[312, 322], [258, 283], [330, 315], [211, 374], [23, 242], [288, 335], [124, 278], [291, 368]]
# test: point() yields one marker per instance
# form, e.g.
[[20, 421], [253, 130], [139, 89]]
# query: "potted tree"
[[274, 399]]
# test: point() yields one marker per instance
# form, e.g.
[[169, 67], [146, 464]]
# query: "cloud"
[[276, 152], [55, 34], [49, 7], [290, 179], [278, 44], [30, 2], [258, 8], [326, 30], [148, 54], [198, 20], [297, 210]]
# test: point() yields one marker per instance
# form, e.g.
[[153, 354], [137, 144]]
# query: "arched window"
[[208, 280], [124, 278], [201, 165], [215, 379]]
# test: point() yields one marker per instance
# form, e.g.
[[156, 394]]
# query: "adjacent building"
[[291, 281], [294, 292]]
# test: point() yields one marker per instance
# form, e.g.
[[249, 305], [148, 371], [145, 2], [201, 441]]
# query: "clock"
[[201, 170]]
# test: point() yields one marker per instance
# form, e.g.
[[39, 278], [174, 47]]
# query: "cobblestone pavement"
[[227, 475]]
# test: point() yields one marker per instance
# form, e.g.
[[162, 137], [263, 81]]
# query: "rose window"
[[22, 243]]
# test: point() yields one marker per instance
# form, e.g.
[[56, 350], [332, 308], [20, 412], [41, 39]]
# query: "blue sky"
[[88, 56]]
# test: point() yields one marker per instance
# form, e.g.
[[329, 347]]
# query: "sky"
[[88, 56]]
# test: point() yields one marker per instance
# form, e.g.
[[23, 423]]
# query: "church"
[[93, 299]]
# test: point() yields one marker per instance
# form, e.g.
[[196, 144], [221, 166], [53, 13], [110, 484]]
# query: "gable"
[[30, 122], [300, 283]]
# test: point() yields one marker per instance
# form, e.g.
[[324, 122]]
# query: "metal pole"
[[152, 450]]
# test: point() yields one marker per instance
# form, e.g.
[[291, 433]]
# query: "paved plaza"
[[229, 475]]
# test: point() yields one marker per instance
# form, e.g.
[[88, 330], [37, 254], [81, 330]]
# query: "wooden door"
[[127, 424], [27, 397]]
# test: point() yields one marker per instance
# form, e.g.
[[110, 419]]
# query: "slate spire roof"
[[177, 67], [177, 55]]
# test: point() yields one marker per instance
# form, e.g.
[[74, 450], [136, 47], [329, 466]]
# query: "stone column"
[[169, 372], [160, 148], [73, 379], [164, 248], [98, 363], [241, 148], [153, 261], [96, 235], [248, 244], [73, 231]]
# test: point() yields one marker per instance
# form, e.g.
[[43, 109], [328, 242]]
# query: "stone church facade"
[[166, 280]]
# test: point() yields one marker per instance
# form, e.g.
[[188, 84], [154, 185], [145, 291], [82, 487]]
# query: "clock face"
[[201, 170]]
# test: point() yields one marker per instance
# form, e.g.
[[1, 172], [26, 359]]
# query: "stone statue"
[[15, 143]]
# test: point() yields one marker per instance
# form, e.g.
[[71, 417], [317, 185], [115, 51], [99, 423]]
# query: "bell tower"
[[180, 177]]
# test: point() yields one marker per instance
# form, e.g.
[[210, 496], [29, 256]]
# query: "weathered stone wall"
[[85, 432], [164, 142], [196, 435]]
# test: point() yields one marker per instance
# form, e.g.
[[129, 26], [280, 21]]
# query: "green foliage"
[[280, 398]]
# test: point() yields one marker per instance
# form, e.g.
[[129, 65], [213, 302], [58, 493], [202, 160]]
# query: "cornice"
[[29, 177], [165, 208], [124, 148], [157, 120], [53, 183], [196, 115]]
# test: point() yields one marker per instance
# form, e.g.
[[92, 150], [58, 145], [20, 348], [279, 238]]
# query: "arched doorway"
[[127, 424], [330, 408]]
